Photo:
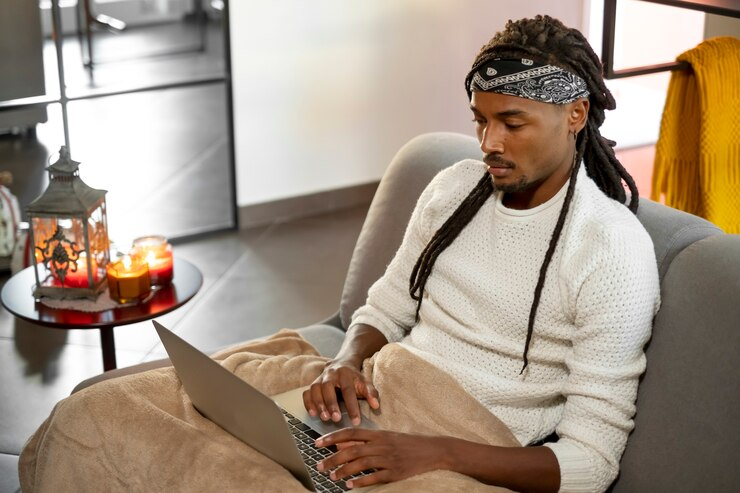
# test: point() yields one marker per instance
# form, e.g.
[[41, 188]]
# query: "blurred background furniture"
[[88, 22], [688, 403], [21, 65]]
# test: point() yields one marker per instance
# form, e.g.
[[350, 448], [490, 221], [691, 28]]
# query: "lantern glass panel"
[[99, 244], [61, 256]]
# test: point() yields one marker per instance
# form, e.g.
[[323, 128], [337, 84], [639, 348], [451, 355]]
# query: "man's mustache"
[[496, 161]]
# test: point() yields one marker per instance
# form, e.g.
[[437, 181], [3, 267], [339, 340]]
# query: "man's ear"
[[578, 114]]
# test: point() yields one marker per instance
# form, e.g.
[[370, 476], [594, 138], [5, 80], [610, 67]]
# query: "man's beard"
[[519, 186]]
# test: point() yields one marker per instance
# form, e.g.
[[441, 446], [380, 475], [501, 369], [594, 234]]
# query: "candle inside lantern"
[[157, 253], [128, 280], [76, 278]]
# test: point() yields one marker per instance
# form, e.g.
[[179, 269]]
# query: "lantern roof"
[[66, 194]]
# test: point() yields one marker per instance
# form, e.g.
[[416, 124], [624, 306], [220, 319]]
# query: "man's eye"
[[513, 126]]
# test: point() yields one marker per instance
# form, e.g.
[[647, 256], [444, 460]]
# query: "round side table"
[[17, 298]]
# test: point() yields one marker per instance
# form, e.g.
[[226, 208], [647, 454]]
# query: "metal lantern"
[[69, 233]]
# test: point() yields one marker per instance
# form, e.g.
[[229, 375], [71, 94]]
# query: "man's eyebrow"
[[505, 113], [512, 112]]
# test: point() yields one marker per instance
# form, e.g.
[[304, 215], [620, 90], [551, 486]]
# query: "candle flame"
[[126, 262], [151, 258]]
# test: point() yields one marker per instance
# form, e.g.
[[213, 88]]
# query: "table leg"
[[109, 348]]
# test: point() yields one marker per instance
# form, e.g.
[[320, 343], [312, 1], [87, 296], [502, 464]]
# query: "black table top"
[[17, 298]]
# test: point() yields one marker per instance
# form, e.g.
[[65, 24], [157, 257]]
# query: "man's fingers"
[[371, 395], [381, 476], [350, 400], [309, 404], [346, 435], [348, 455], [321, 398], [352, 460], [329, 393], [317, 396], [366, 462], [344, 445]]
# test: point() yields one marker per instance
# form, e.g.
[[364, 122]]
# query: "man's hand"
[[343, 374], [393, 456], [321, 398]]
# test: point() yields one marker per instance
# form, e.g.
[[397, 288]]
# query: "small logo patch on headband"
[[525, 78]]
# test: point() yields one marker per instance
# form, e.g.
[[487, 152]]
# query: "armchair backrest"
[[688, 406], [409, 173], [412, 169]]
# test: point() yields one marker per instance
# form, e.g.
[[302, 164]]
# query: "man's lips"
[[497, 167], [495, 161], [499, 171]]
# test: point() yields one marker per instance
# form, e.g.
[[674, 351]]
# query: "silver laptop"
[[278, 427]]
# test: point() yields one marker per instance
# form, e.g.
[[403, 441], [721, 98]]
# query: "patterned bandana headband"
[[528, 79]]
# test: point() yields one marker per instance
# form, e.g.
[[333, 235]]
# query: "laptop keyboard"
[[305, 437]]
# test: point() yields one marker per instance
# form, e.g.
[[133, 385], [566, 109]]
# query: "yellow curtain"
[[697, 157]]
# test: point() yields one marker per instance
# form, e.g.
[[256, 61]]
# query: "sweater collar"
[[554, 202]]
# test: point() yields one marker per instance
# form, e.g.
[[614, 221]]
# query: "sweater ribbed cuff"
[[576, 470]]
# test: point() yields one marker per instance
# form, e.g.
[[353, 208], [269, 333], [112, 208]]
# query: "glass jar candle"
[[128, 280], [156, 252]]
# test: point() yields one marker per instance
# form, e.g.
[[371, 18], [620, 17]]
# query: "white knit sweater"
[[594, 317]]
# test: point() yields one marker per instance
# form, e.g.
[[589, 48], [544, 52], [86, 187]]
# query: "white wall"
[[326, 91], [717, 25]]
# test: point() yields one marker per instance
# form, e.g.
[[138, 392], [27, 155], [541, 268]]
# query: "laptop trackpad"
[[292, 401]]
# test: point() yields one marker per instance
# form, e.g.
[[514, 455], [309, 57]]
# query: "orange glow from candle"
[[77, 278], [128, 280], [156, 252]]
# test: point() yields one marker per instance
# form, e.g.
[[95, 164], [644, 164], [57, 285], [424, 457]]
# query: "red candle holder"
[[157, 253]]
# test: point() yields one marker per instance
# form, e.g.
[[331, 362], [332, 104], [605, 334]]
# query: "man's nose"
[[491, 142]]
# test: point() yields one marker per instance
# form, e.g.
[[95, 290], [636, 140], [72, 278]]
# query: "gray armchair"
[[688, 410]]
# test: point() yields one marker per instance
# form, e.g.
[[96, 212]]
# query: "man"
[[526, 278]]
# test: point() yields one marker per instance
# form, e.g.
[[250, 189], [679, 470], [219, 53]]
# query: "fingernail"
[[336, 416], [319, 442], [324, 415], [320, 467], [349, 484], [356, 421], [312, 412]]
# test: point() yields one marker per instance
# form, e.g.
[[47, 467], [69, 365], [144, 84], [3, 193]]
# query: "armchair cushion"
[[688, 404]]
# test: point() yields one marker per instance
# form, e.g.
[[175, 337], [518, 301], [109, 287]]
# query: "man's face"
[[527, 145]]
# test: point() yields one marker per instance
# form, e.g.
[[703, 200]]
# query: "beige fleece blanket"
[[141, 433]]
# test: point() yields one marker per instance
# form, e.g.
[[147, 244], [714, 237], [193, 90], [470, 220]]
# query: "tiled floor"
[[255, 282]]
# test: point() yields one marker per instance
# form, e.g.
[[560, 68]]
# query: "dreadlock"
[[545, 40]]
